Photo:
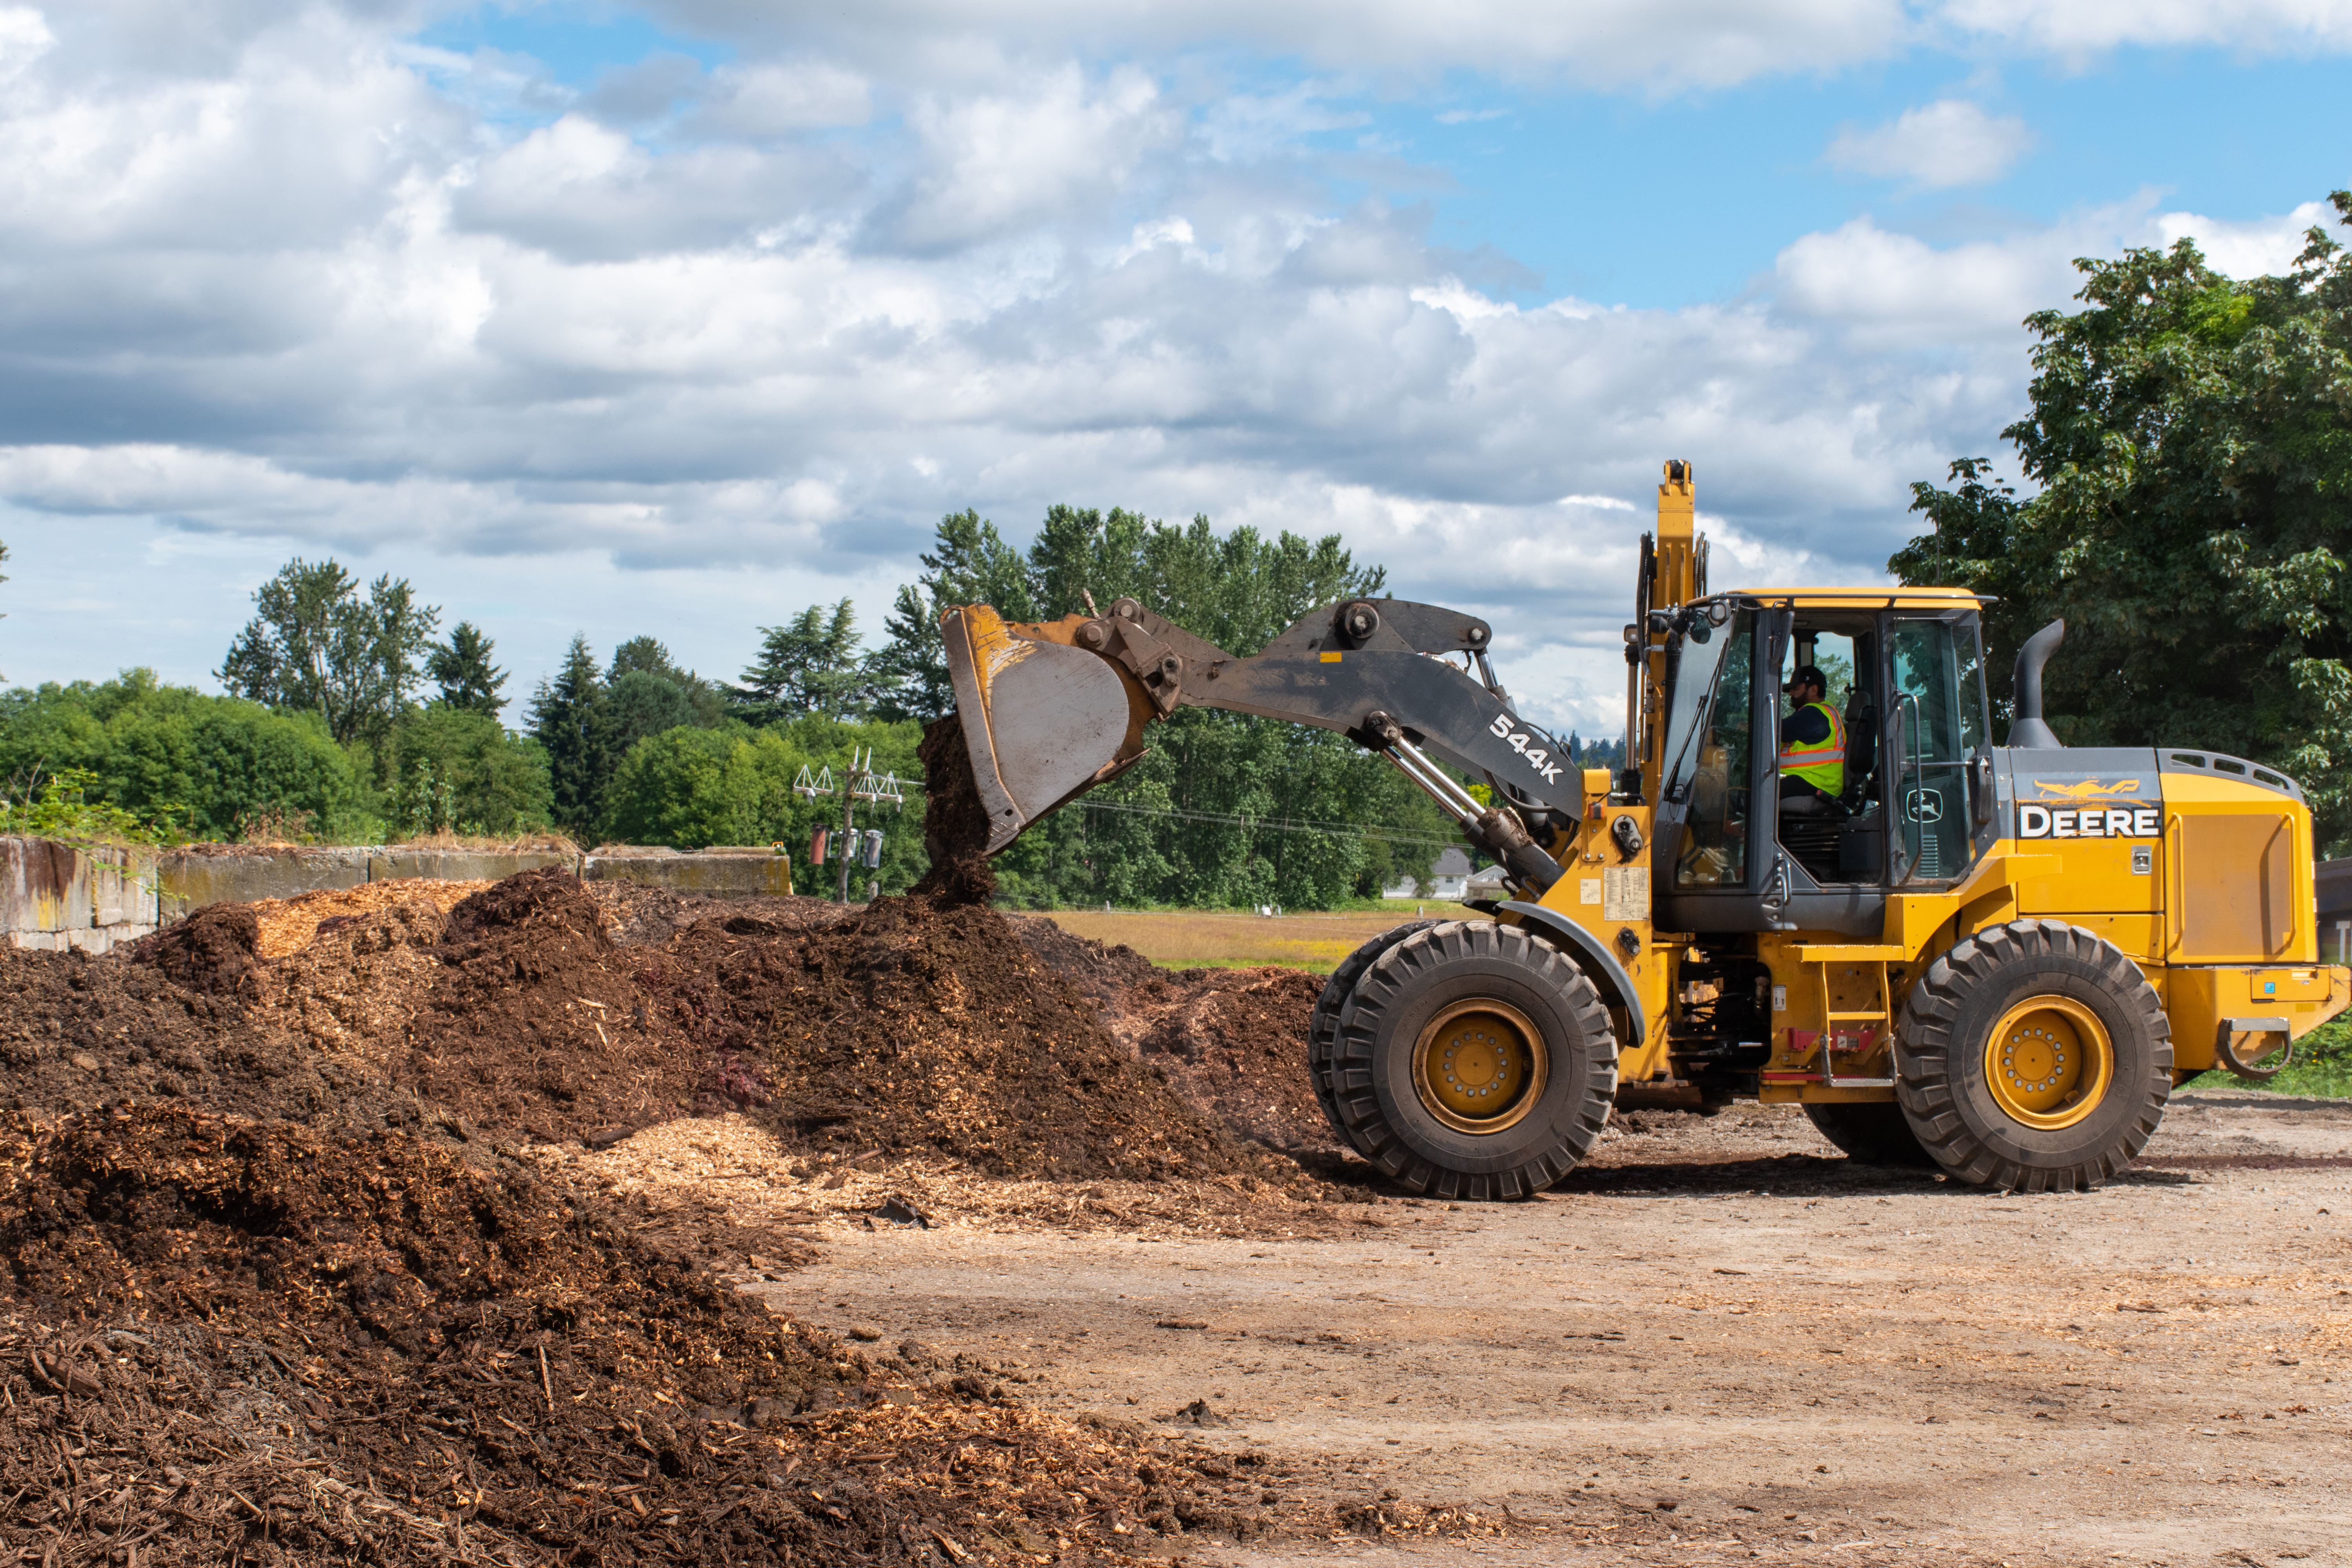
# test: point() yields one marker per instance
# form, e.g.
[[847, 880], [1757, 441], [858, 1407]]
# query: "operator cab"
[[1904, 677]]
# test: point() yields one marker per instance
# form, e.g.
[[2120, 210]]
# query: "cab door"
[[1938, 761]]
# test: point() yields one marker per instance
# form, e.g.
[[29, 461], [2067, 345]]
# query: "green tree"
[[639, 703], [1260, 811], [968, 563], [457, 770], [810, 665], [2192, 460], [706, 703], [687, 788], [317, 646], [565, 722], [461, 668], [171, 752], [1082, 554]]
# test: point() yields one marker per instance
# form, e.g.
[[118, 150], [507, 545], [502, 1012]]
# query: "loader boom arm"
[[1062, 706]]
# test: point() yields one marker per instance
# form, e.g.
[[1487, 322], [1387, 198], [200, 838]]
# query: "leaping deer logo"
[[2089, 789]]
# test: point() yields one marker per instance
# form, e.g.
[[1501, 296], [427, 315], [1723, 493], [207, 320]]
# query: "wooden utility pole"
[[859, 781]]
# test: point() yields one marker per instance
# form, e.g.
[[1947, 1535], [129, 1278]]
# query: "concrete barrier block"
[[96, 940], [43, 886], [190, 881], [719, 875], [461, 865], [122, 884]]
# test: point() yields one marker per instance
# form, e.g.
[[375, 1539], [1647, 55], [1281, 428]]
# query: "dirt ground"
[[1720, 1342], [1065, 1267]]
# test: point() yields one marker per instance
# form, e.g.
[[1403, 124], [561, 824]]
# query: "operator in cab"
[[1813, 746]]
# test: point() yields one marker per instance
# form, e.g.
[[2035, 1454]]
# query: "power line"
[[1287, 824]]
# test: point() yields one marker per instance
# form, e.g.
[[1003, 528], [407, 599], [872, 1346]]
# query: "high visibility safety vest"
[[1821, 763]]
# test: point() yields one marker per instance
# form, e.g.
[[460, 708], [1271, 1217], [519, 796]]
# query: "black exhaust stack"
[[2026, 730]]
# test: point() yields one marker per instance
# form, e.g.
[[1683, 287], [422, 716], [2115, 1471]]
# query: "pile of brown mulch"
[[1233, 1041], [640, 916], [1104, 974], [78, 1031], [354, 991], [1236, 1041], [221, 1338], [213, 950], [537, 1024], [908, 1028], [916, 1028]]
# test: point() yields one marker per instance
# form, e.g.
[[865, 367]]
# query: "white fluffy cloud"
[[752, 330], [2078, 29], [1651, 48], [25, 36], [2251, 249], [1003, 161], [1655, 47], [1952, 142]]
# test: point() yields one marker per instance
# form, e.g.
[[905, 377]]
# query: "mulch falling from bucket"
[[955, 822]]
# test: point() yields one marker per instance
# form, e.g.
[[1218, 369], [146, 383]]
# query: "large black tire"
[[1873, 1131], [1943, 1075], [1550, 1114], [1323, 1023]]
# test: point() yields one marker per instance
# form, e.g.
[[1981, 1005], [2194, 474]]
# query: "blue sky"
[[675, 318], [1687, 199]]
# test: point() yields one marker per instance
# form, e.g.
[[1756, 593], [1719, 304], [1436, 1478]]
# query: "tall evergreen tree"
[[811, 664], [461, 668], [649, 654], [968, 563], [564, 719], [706, 703], [1078, 553]]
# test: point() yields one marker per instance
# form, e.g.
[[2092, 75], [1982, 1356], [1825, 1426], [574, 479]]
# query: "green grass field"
[[2322, 1068], [1186, 939]]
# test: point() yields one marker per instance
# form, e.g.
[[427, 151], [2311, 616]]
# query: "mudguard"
[[1593, 956]]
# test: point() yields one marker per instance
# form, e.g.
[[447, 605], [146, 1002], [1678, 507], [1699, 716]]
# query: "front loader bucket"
[[1045, 720]]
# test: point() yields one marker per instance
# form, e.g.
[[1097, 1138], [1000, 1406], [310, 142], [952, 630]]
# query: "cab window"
[[1937, 725], [1709, 738]]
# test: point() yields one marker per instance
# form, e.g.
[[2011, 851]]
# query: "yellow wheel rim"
[[2049, 1062], [1479, 1066]]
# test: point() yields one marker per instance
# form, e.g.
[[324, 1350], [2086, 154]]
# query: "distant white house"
[[1486, 883], [1448, 878]]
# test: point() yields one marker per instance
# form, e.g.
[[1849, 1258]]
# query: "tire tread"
[[1323, 1023], [1924, 1059], [1389, 981]]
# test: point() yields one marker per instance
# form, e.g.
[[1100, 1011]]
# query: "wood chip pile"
[[282, 1286], [286, 926], [228, 1339]]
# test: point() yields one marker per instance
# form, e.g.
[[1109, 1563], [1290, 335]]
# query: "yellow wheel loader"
[[1998, 959]]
